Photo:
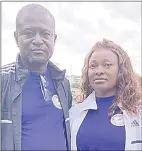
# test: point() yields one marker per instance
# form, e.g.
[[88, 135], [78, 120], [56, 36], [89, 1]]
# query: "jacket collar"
[[22, 72], [89, 103], [55, 72]]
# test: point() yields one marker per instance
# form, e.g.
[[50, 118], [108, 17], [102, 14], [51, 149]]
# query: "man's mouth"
[[37, 50]]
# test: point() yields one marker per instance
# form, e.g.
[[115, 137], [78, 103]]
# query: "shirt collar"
[[90, 103]]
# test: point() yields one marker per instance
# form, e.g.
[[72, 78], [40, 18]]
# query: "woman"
[[109, 117]]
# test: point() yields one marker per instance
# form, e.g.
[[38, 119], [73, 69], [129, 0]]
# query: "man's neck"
[[37, 68]]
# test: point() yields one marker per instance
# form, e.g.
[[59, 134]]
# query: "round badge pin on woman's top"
[[117, 120], [56, 102]]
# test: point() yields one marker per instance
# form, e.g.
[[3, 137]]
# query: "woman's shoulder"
[[75, 112], [75, 107], [134, 116]]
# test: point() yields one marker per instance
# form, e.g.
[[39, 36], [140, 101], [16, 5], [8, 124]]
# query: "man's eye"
[[29, 33], [45, 34]]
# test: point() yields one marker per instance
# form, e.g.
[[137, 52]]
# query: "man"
[[36, 95]]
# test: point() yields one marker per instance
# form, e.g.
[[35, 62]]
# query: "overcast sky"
[[78, 26]]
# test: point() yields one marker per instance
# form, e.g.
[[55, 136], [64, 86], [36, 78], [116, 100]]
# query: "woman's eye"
[[92, 66], [108, 64]]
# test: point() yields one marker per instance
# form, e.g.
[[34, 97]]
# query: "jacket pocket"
[[6, 131], [6, 123], [137, 141], [137, 145]]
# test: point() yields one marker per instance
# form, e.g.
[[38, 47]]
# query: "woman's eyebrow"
[[107, 60]]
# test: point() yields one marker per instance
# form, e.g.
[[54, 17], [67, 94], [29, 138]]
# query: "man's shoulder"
[[66, 80], [8, 68]]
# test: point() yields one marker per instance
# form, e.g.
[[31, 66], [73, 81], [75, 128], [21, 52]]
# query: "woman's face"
[[103, 72]]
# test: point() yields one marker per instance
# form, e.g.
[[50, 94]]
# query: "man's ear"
[[55, 38], [16, 38]]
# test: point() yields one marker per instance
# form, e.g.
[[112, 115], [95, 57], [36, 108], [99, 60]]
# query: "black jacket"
[[13, 77]]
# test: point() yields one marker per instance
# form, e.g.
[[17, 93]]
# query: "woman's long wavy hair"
[[128, 82]]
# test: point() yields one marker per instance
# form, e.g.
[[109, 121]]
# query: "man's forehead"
[[36, 27], [35, 16]]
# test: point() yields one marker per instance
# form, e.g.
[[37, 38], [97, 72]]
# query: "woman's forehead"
[[103, 54]]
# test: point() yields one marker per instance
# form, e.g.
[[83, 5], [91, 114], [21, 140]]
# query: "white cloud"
[[122, 24]]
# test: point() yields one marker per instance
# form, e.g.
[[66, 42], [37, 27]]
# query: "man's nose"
[[38, 40]]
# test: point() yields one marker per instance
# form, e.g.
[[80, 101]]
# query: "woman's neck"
[[104, 94]]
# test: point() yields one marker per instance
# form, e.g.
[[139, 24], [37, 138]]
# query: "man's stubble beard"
[[30, 62], [33, 61], [37, 62]]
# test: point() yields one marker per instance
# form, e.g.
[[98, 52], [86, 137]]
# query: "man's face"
[[103, 71], [35, 38]]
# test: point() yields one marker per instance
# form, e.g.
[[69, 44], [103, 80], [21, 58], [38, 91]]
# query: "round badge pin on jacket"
[[56, 102], [117, 120]]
